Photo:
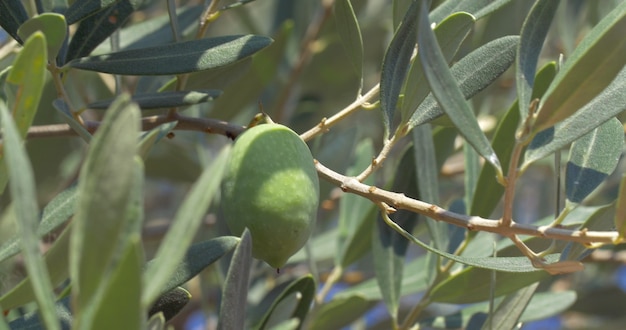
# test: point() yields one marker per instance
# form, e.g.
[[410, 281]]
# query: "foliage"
[[106, 104]]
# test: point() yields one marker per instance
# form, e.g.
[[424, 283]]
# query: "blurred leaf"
[[165, 99], [509, 310], [305, 288], [64, 110], [53, 28], [24, 197], [199, 256], [96, 28], [620, 209], [152, 137], [155, 31], [601, 218], [592, 158], [32, 321], [235, 293], [355, 213], [534, 31], [283, 310], [339, 312], [413, 281], [57, 264], [426, 177], [592, 67], [170, 303], [117, 305], [82, 9], [156, 322], [541, 306], [473, 73], [178, 238], [469, 285], [450, 34], [448, 93], [477, 8], [176, 58], [350, 34], [12, 15], [104, 191], [503, 141], [27, 76], [605, 106], [396, 65], [249, 86]]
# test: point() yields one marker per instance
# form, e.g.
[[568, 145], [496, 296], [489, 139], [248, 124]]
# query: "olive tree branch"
[[475, 223]]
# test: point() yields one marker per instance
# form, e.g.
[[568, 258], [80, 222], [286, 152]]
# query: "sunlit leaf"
[[448, 93], [52, 26], [587, 72], [350, 33], [592, 158], [176, 58]]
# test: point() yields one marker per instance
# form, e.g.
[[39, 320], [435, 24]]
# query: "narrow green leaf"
[[509, 311], [282, 311], [488, 188], [340, 312], [620, 209], [24, 196], [152, 137], [592, 158], [473, 73], [117, 305], [448, 93], [27, 76], [56, 213], [199, 256], [534, 31], [426, 176], [350, 34], [470, 286], [354, 213], [165, 99], [503, 264], [52, 26], [477, 8], [104, 191], [605, 106], [81, 9], [388, 246], [12, 15], [590, 69], [64, 110], [179, 236], [450, 34], [396, 65], [235, 293], [57, 264], [176, 58], [305, 287], [94, 29]]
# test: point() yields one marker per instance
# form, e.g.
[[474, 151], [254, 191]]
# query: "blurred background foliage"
[[299, 92]]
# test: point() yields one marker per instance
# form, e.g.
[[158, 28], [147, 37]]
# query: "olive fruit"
[[271, 187]]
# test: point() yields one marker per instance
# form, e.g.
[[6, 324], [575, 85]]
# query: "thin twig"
[[327, 123], [401, 201]]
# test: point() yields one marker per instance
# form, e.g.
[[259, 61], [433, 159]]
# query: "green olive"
[[271, 187]]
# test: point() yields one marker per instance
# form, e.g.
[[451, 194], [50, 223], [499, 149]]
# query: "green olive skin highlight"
[[271, 187]]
